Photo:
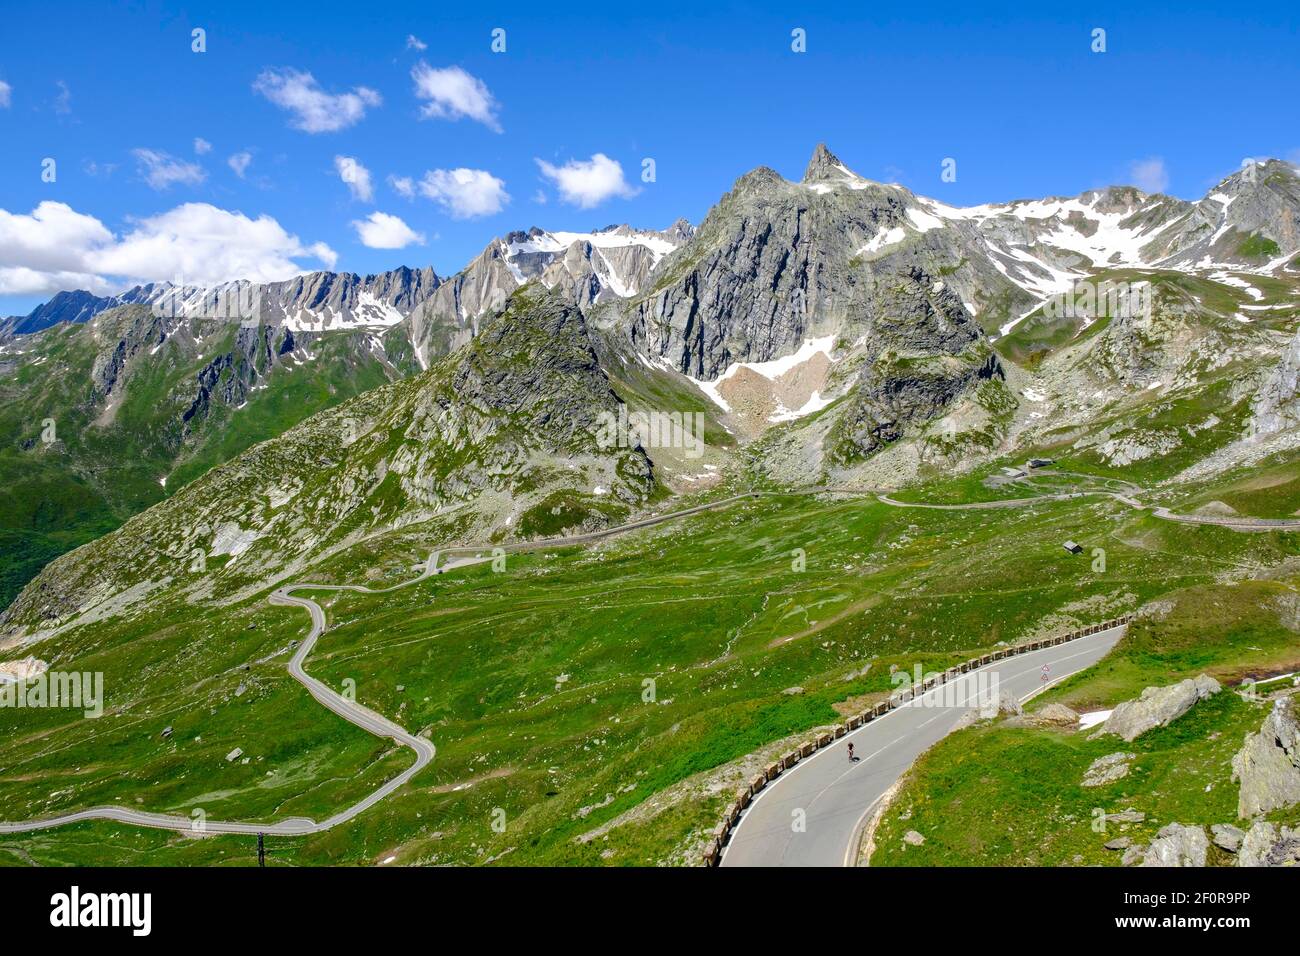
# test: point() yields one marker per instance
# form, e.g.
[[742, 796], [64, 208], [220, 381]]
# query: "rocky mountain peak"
[[681, 230], [824, 165]]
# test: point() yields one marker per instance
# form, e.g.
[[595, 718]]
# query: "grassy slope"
[[531, 681]]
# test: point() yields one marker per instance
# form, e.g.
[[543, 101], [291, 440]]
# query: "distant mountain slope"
[[205, 372], [106, 418], [509, 424]]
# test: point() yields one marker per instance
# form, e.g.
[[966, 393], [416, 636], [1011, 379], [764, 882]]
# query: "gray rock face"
[[1004, 705], [1268, 765], [1107, 769], [1267, 844], [1157, 707], [1178, 845], [1126, 816], [1230, 223], [1227, 837], [912, 838], [1133, 854], [896, 393], [1277, 403], [776, 262], [596, 267]]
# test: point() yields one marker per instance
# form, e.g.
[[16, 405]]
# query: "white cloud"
[[465, 193], [382, 231], [453, 93], [46, 250], [162, 170], [314, 110], [415, 43], [1150, 175], [63, 102], [5, 94], [356, 176], [404, 186], [588, 183], [240, 162], [55, 248], [202, 146]]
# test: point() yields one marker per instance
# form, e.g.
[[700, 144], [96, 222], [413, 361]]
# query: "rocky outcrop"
[[585, 268], [21, 670], [1157, 707], [1055, 715], [1178, 845], [1267, 844], [1126, 816], [777, 262], [1277, 403], [1268, 764], [1107, 769], [896, 394], [1227, 837]]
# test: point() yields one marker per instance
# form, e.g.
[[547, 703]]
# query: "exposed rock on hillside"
[[1227, 837], [776, 262], [1268, 765], [1107, 769], [1178, 845], [1055, 715], [1267, 844], [1277, 404], [1157, 707]]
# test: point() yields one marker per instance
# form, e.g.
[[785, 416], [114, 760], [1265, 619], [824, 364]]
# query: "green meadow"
[[587, 702]]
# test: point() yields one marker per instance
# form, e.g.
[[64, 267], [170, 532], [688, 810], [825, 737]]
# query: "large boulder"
[[1227, 837], [1157, 707], [1055, 715], [1178, 845], [1004, 703], [1268, 764], [1266, 844]]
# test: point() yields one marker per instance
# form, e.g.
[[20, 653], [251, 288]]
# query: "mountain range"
[[704, 493], [835, 328]]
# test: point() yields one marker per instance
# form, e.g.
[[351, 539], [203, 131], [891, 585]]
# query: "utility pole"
[[261, 849]]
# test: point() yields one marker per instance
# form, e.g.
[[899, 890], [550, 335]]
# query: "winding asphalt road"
[[380, 726], [832, 796]]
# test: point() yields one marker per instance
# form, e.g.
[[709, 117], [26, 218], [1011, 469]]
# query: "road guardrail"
[[746, 795]]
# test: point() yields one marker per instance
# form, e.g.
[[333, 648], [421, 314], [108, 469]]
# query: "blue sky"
[[1016, 97]]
